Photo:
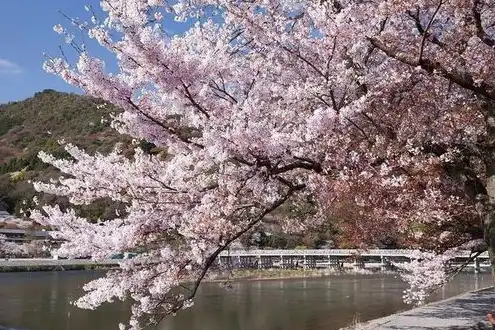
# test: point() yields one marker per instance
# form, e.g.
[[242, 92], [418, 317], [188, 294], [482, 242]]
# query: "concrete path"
[[467, 311], [54, 262]]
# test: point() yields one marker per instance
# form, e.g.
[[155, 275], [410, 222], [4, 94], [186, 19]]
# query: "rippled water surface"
[[41, 301]]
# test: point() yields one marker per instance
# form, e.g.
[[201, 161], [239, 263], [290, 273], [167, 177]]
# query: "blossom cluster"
[[375, 113]]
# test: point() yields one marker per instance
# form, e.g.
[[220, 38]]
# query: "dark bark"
[[490, 188]]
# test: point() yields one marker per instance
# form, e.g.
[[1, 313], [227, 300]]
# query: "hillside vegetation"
[[36, 124]]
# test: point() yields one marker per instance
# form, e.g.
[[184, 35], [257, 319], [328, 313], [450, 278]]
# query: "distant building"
[[22, 235], [4, 215]]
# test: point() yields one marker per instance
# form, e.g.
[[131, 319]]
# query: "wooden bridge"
[[330, 258]]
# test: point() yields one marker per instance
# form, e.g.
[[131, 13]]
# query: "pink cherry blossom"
[[379, 115]]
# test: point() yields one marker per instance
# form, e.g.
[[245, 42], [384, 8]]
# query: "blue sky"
[[26, 32]]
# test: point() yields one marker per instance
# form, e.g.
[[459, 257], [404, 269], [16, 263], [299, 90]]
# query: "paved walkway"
[[27, 262], [466, 311]]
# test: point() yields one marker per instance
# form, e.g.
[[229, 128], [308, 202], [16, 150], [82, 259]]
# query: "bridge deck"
[[232, 253], [332, 252]]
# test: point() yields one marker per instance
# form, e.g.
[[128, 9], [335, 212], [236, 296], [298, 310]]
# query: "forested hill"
[[37, 123]]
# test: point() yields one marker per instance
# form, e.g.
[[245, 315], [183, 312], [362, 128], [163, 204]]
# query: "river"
[[41, 301]]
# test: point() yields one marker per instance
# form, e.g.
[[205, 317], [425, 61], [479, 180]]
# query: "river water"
[[41, 301]]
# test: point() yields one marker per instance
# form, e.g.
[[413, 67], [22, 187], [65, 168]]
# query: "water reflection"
[[41, 301]]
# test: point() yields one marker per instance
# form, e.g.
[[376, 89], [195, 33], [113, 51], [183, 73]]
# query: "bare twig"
[[425, 34]]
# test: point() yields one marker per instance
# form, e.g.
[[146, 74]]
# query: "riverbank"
[[39, 265], [50, 268], [280, 274], [45, 264], [242, 274], [466, 311]]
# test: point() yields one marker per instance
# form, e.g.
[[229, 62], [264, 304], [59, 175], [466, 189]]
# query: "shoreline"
[[52, 268], [217, 277], [247, 275], [235, 275], [464, 311]]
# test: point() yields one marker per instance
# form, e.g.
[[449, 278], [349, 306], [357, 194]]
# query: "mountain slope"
[[36, 124]]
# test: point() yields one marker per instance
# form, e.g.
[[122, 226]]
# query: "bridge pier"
[[358, 262]]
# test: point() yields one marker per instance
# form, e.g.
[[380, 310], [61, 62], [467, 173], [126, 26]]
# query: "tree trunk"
[[490, 186], [490, 189], [490, 237]]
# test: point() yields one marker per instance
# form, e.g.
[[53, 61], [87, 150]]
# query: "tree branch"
[[302, 164], [462, 79], [169, 129], [425, 34], [211, 259], [421, 29], [193, 101], [298, 55], [480, 32]]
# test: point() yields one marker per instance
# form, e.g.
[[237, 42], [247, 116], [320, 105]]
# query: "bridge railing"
[[332, 252]]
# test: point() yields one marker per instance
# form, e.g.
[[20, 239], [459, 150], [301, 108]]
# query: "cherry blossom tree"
[[2, 244], [386, 106]]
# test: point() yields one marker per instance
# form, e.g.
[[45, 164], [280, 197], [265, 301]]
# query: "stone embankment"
[[467, 311], [41, 264]]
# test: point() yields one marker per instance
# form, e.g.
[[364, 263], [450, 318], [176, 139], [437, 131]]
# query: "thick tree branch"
[[462, 79], [172, 131], [193, 101], [480, 32], [302, 164], [211, 259]]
